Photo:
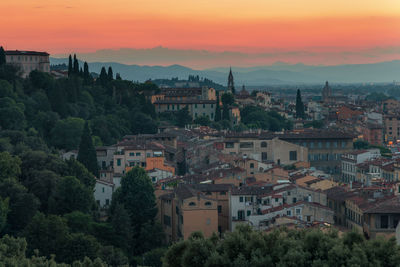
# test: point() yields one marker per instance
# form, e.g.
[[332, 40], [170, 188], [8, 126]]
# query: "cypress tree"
[[118, 76], [103, 76], [76, 65], [80, 72], [86, 74], [225, 112], [217, 110], [2, 56], [87, 152], [70, 66], [299, 105], [110, 75]]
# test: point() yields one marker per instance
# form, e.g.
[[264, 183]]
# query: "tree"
[[79, 246], [103, 78], [86, 75], [121, 224], [202, 120], [137, 195], [87, 152], [76, 66], [77, 169], [4, 209], [183, 117], [70, 66], [110, 75], [66, 133], [2, 56], [299, 106], [71, 195], [48, 234], [9, 166], [22, 205]]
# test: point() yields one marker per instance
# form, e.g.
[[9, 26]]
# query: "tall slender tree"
[[76, 65], [110, 74], [86, 74], [2, 56], [103, 76], [87, 152], [70, 67], [299, 106]]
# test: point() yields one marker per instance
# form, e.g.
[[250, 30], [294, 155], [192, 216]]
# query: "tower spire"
[[231, 85]]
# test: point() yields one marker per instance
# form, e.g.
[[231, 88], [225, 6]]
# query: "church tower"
[[326, 93], [231, 86]]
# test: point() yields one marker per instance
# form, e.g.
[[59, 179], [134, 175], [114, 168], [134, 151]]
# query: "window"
[[311, 144], [143, 164], [107, 202], [219, 209], [132, 154], [229, 145], [264, 156], [103, 189], [319, 144], [204, 105], [289, 213], [173, 107], [308, 218], [298, 211], [192, 204], [344, 144], [208, 203], [384, 221], [131, 164], [168, 106], [293, 155], [276, 199], [222, 193], [251, 165], [246, 145], [137, 154], [240, 214], [118, 162], [263, 144], [294, 200], [212, 115], [195, 105], [328, 144], [248, 212], [240, 199], [208, 221]]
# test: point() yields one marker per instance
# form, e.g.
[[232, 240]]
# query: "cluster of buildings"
[[211, 181]]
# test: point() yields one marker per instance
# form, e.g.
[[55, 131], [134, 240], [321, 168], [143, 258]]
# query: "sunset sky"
[[309, 31]]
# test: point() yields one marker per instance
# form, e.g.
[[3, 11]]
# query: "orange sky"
[[251, 26]]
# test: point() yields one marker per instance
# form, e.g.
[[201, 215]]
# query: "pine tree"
[[110, 75], [70, 70], [217, 110], [76, 65], [299, 106], [87, 152], [2, 56]]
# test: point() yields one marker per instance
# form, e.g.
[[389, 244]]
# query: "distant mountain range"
[[276, 74]]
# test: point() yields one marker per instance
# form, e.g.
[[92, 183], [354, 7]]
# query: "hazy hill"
[[279, 73]]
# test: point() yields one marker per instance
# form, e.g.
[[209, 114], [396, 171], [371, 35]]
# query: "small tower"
[[326, 93], [231, 86]]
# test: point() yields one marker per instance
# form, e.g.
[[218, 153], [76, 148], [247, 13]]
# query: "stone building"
[[28, 61]]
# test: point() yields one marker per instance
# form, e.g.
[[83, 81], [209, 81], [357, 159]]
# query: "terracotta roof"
[[25, 53], [391, 205]]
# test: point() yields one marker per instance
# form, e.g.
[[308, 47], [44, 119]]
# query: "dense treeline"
[[47, 202], [245, 247]]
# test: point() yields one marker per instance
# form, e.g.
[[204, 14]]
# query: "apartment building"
[[351, 160]]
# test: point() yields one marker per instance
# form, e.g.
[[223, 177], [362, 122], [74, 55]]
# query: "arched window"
[[263, 144], [192, 204], [208, 203]]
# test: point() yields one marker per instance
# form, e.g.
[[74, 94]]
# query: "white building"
[[103, 193], [28, 61], [350, 161]]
